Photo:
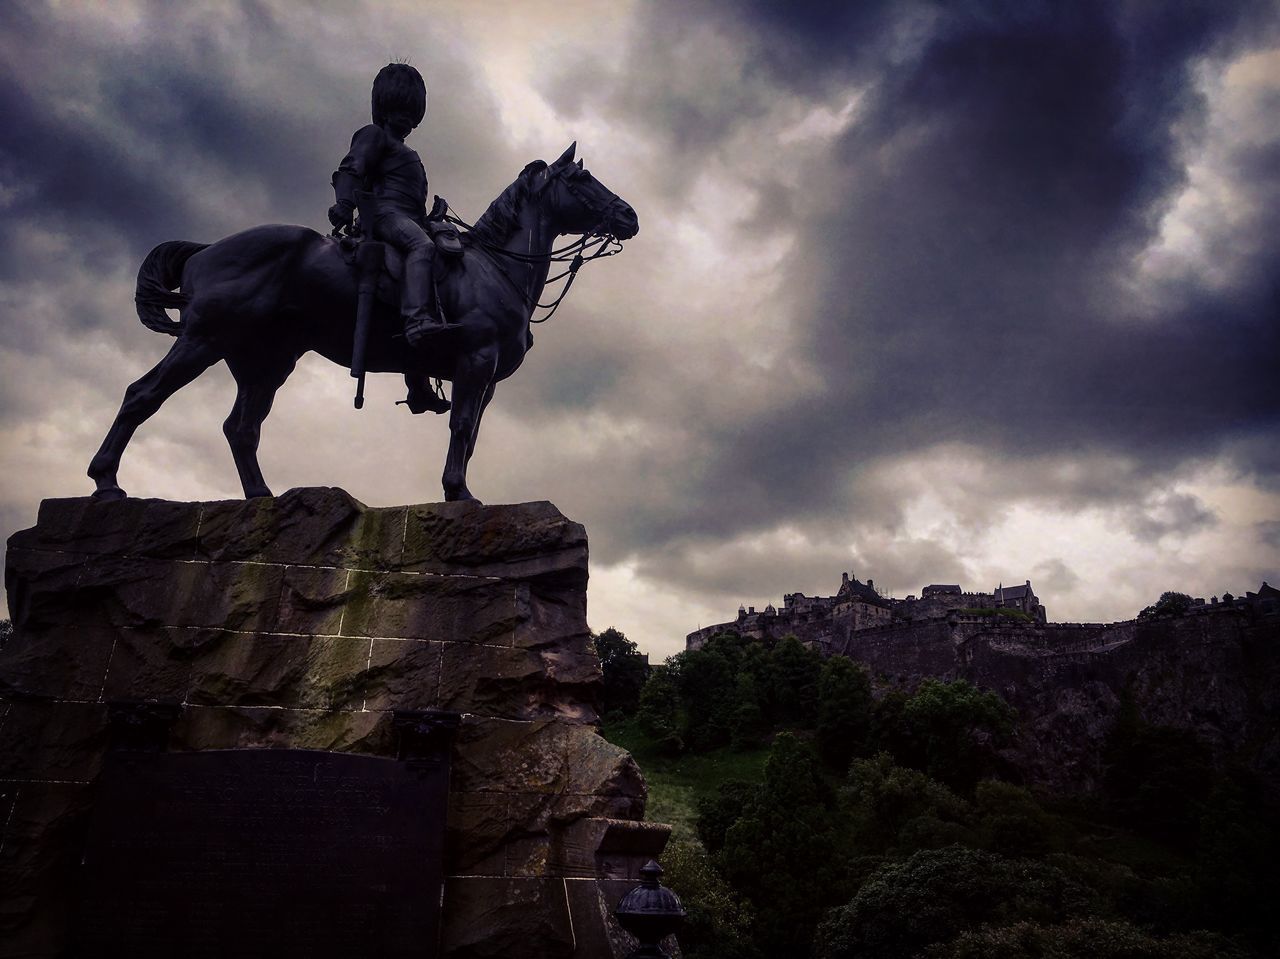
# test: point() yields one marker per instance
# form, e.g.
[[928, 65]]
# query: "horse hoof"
[[257, 492], [108, 494]]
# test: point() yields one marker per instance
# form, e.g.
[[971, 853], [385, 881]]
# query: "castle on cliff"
[[857, 606], [860, 610]]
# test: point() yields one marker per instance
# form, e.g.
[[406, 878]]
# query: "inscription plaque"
[[263, 853]]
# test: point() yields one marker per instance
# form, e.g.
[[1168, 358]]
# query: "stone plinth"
[[305, 622]]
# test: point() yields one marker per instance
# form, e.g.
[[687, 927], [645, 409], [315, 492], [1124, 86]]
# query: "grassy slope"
[[676, 783]]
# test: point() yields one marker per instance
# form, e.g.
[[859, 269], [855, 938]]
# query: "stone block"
[[403, 674], [39, 852], [299, 672], [52, 741], [129, 591], [301, 526], [316, 526], [551, 618], [528, 541], [517, 683], [597, 932], [499, 918], [39, 583], [313, 600], [460, 609], [510, 757], [58, 662], [155, 528], [253, 727], [157, 664]]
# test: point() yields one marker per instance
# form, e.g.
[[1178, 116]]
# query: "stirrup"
[[420, 328], [426, 399]]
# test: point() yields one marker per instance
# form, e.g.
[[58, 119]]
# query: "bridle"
[[594, 244]]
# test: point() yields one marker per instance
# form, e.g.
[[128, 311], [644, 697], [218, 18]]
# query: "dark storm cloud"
[[965, 271], [1032, 159], [208, 121], [131, 146]]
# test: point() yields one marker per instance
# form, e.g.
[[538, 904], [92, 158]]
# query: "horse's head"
[[582, 204]]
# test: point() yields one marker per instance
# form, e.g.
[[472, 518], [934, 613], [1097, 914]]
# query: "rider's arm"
[[367, 148]]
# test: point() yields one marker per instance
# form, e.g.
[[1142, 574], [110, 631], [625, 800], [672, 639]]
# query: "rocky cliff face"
[[307, 621], [1216, 673]]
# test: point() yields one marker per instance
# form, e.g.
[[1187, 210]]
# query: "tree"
[[793, 683], [707, 682], [1169, 604], [785, 853], [899, 811], [844, 711], [955, 727], [658, 712], [1011, 822], [6, 632], [747, 724], [1236, 856], [718, 925], [625, 670], [1082, 939], [717, 813], [937, 894]]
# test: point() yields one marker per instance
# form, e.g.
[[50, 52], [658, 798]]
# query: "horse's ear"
[[567, 157], [579, 164]]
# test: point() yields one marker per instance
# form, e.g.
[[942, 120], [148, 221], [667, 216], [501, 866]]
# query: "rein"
[[602, 245]]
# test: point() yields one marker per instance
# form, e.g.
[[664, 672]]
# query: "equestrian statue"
[[396, 290]]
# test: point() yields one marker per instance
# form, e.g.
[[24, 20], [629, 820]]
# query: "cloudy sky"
[[929, 292]]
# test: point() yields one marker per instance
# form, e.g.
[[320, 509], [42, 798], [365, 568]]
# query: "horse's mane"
[[503, 215]]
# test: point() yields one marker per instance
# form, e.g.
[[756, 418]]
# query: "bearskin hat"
[[399, 88]]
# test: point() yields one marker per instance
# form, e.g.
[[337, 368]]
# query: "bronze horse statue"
[[262, 298]]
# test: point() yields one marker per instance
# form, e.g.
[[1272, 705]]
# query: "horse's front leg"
[[471, 385]]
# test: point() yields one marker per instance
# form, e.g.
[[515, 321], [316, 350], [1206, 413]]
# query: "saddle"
[[446, 239]]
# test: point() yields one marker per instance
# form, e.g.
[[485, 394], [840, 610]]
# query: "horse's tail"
[[158, 278]]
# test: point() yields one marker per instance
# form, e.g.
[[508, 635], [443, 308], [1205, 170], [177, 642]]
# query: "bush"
[[899, 811], [954, 727], [717, 813], [718, 925], [1011, 822], [786, 852], [938, 894], [1082, 939]]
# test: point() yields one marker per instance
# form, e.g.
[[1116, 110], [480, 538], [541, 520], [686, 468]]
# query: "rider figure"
[[380, 164]]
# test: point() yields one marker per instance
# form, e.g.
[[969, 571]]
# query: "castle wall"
[[1216, 674], [1215, 671]]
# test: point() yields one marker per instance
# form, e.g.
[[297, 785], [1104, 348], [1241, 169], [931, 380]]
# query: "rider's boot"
[[422, 396], [418, 294]]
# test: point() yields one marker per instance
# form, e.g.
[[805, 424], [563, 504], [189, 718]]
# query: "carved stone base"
[[306, 622]]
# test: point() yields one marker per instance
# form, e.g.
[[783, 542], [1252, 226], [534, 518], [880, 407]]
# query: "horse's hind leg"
[[256, 384], [186, 359]]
